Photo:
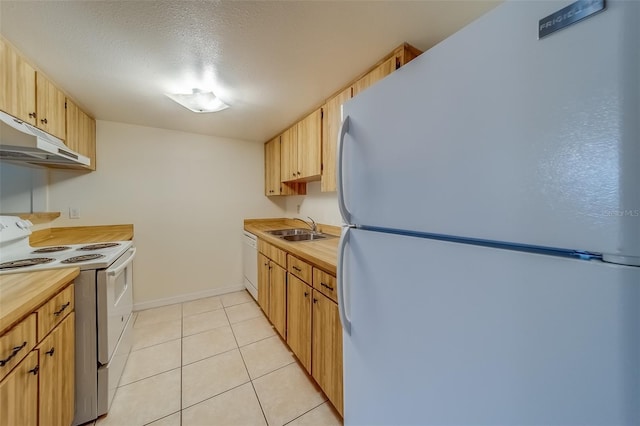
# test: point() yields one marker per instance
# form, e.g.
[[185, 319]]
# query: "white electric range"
[[103, 293]]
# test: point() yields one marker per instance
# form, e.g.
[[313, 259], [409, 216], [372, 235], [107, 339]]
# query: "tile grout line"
[[306, 412], [157, 344], [250, 379], [215, 396], [228, 350]]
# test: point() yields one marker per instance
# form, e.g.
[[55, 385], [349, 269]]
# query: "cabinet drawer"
[[300, 269], [325, 283], [16, 344], [273, 253], [54, 311]]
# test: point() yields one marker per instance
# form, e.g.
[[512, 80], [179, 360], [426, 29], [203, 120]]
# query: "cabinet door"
[[289, 154], [310, 145], [19, 394], [299, 320], [332, 119], [263, 282], [278, 298], [378, 73], [81, 134], [57, 369], [50, 107], [326, 359], [17, 85], [272, 167]]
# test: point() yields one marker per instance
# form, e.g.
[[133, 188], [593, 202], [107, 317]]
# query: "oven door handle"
[[119, 269]]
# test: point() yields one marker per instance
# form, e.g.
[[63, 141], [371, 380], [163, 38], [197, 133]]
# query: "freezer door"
[[451, 334], [494, 134]]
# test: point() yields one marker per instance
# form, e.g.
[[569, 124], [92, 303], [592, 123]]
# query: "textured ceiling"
[[272, 61]]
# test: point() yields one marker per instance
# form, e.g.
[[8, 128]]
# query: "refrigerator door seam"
[[550, 251]]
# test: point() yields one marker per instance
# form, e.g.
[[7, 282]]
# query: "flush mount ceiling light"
[[199, 101]]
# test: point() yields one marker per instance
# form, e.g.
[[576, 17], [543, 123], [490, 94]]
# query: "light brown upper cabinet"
[[50, 107], [28, 95], [289, 154], [310, 146], [398, 58], [81, 132], [272, 167], [17, 84], [272, 179], [332, 119], [300, 158], [376, 74]]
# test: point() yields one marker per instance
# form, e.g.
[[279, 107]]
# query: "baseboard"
[[186, 297]]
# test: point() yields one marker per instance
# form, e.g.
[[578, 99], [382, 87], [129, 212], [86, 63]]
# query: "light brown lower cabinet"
[[57, 375], [272, 287], [263, 282], [19, 394], [299, 323], [278, 298], [306, 318], [40, 389], [326, 347]]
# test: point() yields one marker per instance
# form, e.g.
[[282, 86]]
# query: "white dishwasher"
[[250, 263]]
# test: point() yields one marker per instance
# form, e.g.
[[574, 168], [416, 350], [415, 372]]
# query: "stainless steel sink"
[[294, 231], [306, 237]]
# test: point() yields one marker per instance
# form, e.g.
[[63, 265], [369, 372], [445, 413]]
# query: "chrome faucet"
[[312, 225]]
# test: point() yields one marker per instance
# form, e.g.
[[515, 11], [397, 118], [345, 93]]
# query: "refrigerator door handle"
[[342, 308], [344, 129]]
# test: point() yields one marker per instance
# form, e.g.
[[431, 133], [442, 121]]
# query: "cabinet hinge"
[[321, 113], [65, 104]]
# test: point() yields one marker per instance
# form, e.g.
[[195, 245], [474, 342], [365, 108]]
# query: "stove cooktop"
[[17, 255]]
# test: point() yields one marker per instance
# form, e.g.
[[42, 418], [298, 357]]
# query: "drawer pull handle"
[[44, 121], [50, 351], [295, 268], [14, 352], [326, 286], [35, 370], [62, 308]]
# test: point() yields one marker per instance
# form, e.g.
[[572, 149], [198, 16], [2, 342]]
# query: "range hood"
[[21, 142]]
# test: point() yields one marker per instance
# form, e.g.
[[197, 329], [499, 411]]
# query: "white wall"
[[22, 188], [321, 206], [187, 196]]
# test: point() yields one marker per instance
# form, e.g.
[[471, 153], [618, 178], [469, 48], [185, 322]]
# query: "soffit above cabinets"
[[272, 61]]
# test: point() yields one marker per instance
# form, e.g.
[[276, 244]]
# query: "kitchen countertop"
[[81, 235], [320, 253], [22, 293]]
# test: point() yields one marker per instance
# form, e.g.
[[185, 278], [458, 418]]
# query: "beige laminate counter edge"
[[81, 235], [23, 293], [322, 253]]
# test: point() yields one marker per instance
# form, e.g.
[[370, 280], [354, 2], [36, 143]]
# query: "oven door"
[[114, 304]]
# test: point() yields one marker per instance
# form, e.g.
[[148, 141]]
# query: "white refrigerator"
[[489, 265]]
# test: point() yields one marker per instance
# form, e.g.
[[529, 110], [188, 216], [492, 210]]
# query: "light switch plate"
[[74, 213]]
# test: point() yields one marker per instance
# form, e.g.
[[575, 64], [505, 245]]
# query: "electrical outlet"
[[298, 208], [74, 213]]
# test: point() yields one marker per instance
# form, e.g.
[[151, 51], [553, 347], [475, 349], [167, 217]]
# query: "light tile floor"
[[214, 361]]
